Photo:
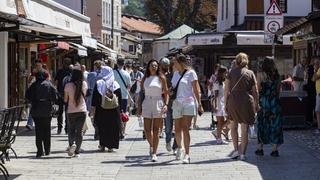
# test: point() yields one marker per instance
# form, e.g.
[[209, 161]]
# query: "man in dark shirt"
[[61, 74]]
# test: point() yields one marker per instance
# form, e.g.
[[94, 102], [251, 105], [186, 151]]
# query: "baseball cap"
[[164, 61]]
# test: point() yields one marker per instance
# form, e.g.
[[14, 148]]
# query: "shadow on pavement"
[[11, 176], [207, 143]]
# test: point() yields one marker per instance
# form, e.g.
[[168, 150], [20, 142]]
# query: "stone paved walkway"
[[208, 161]]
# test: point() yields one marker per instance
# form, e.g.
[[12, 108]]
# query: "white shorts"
[[180, 109], [152, 107], [317, 109]]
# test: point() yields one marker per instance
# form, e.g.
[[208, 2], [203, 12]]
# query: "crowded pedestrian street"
[[299, 158]]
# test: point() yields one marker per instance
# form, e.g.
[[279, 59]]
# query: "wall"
[[222, 25], [72, 4], [94, 12], [4, 69]]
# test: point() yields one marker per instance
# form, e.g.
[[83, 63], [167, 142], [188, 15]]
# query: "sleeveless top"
[[153, 86]]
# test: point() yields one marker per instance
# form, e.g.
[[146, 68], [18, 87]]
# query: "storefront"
[[41, 34]]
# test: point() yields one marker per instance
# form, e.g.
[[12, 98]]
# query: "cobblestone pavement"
[[208, 161]]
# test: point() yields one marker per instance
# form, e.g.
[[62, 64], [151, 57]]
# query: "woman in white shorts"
[[218, 105], [154, 105], [184, 106]]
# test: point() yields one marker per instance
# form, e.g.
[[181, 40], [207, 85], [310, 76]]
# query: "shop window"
[[255, 6], [316, 5], [282, 4]]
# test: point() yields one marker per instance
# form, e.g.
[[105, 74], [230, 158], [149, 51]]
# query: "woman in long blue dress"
[[269, 119]]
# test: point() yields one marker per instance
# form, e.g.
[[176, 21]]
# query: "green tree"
[[135, 7], [170, 14]]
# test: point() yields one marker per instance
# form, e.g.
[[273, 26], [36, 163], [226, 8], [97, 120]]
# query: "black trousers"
[[76, 122], [43, 134], [62, 107], [311, 104]]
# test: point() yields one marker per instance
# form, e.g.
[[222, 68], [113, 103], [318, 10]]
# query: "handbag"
[[173, 91], [124, 117], [55, 110], [109, 102], [134, 87]]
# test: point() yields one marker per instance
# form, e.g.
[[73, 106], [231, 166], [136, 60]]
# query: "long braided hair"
[[77, 80]]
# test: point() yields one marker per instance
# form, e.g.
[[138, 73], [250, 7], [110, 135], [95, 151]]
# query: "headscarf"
[[107, 81]]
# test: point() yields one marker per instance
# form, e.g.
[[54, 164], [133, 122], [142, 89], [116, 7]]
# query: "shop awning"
[[49, 30], [107, 50], [82, 51]]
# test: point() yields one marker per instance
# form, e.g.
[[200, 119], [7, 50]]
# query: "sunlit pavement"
[[131, 161]]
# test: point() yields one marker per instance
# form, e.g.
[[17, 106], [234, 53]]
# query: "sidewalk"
[[208, 161]]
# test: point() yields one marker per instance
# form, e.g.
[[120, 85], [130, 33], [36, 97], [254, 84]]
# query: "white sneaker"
[[234, 155], [243, 157], [186, 159], [168, 146], [77, 155], [72, 149], [154, 158], [178, 154]]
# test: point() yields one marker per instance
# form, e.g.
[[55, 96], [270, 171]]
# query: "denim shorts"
[[182, 108]]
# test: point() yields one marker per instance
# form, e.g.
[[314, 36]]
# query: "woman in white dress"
[[218, 105]]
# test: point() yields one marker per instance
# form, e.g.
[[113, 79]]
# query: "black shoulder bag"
[[173, 91]]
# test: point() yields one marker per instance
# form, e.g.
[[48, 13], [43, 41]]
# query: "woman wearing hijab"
[[107, 120], [42, 94]]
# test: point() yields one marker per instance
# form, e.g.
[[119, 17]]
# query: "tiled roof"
[[138, 24]]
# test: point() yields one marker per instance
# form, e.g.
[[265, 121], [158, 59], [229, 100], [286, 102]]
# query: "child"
[[218, 105]]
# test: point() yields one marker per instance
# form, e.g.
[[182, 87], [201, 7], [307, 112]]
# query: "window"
[[255, 6], [222, 9], [282, 4], [117, 41], [103, 12], [131, 48], [316, 5], [227, 9], [117, 14], [109, 9], [107, 14]]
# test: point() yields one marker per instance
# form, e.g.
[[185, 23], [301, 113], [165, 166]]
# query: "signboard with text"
[[273, 21]]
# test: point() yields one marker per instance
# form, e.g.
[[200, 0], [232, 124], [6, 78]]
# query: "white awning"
[[258, 39], [49, 30], [82, 51], [8, 6], [56, 15], [107, 50]]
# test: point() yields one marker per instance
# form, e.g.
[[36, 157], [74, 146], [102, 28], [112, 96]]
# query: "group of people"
[[239, 97], [168, 90]]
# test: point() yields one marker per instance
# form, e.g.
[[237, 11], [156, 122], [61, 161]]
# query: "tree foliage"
[[170, 14], [135, 7]]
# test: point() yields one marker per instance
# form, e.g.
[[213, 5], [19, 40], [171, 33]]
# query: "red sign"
[[274, 9]]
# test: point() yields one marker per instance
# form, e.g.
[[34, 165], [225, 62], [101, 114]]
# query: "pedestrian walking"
[[241, 102], [92, 79], [107, 120], [74, 96], [269, 118], [218, 105], [316, 78], [123, 79], [184, 106], [154, 105], [166, 68], [61, 74], [42, 95]]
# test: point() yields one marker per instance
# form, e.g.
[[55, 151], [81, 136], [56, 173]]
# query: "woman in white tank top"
[[154, 105]]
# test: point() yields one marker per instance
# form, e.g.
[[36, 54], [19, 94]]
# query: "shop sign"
[[273, 21], [8, 6], [89, 42], [205, 39]]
